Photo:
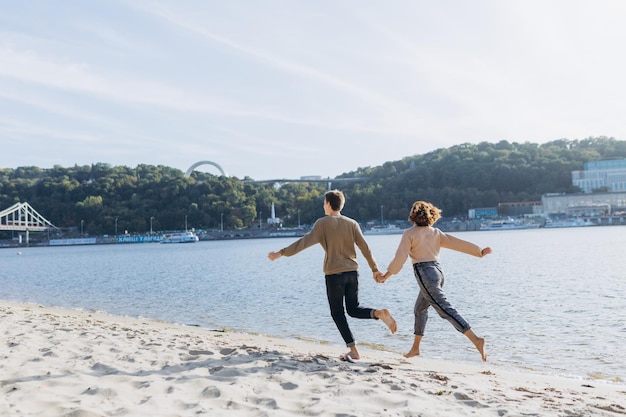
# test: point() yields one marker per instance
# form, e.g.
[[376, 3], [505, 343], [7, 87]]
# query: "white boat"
[[183, 237], [575, 222], [508, 224], [389, 229]]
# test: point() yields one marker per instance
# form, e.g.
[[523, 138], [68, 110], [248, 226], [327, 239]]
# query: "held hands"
[[274, 255], [380, 278]]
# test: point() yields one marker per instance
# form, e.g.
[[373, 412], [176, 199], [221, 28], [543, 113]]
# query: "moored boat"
[[574, 222], [389, 229], [508, 224], [182, 237]]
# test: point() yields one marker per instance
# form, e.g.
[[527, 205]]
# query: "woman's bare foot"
[[480, 345], [479, 342], [387, 318], [412, 352], [415, 349]]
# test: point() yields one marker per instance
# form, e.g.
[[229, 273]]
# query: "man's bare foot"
[[480, 345], [411, 353], [349, 357], [388, 319]]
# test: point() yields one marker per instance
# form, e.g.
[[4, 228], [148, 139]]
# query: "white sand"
[[56, 362]]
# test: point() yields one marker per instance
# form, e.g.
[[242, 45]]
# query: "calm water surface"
[[549, 299]]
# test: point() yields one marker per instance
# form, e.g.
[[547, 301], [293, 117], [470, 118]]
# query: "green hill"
[[456, 179]]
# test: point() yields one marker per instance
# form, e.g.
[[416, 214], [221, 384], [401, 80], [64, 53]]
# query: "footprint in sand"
[[469, 401], [103, 392], [288, 386], [142, 384], [202, 352], [211, 392]]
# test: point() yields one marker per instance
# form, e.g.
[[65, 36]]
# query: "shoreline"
[[65, 362], [269, 233]]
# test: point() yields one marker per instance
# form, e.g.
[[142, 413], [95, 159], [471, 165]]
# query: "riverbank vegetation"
[[109, 199]]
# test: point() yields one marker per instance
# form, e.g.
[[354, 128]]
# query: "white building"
[[608, 174], [587, 205]]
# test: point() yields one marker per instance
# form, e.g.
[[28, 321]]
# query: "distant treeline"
[[455, 179]]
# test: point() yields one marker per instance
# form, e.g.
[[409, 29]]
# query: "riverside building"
[[604, 175]]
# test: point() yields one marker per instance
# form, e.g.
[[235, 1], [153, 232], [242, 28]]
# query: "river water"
[[549, 300]]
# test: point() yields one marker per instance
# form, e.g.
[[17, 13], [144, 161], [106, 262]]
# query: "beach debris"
[[614, 408], [381, 365], [438, 377]]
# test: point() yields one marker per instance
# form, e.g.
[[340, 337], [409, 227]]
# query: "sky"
[[289, 88]]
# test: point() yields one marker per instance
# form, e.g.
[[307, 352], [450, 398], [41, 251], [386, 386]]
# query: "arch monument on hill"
[[197, 164]]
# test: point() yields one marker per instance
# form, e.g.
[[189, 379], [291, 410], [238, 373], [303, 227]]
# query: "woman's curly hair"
[[424, 213]]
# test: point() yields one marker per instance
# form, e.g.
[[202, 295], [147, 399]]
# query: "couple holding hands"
[[339, 235]]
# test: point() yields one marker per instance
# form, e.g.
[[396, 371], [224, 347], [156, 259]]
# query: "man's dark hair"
[[336, 199]]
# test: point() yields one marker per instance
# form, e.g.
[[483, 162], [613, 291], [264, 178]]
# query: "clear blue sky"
[[281, 89]]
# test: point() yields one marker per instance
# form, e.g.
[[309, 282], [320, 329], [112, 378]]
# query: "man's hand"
[[274, 255]]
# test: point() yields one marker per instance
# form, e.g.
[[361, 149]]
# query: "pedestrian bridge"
[[23, 218]]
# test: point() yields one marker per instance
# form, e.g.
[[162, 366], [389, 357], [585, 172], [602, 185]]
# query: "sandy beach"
[[58, 362]]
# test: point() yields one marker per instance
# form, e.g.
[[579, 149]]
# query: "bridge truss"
[[22, 217]]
